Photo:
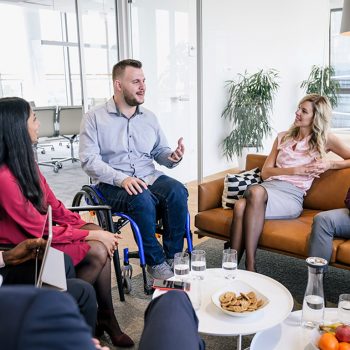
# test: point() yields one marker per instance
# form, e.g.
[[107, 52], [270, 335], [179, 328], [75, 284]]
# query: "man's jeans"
[[165, 199]]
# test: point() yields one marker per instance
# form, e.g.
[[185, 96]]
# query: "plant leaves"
[[249, 106]]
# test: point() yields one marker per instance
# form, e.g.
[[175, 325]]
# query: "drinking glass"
[[195, 292], [229, 263], [344, 308], [198, 263], [181, 265]]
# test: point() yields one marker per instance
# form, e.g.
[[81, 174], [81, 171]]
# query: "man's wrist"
[[8, 257]]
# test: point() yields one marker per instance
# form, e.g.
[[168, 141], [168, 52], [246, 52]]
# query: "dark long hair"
[[16, 149]]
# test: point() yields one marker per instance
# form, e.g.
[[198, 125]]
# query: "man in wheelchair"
[[119, 142]]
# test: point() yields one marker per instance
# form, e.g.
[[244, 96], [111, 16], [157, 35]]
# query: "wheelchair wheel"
[[87, 196], [126, 284], [127, 274]]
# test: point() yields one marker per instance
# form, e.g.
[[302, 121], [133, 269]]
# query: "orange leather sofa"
[[288, 237]]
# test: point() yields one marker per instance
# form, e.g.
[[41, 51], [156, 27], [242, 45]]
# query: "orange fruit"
[[344, 346], [328, 341]]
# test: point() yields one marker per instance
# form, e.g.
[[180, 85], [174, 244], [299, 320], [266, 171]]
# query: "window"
[[339, 59], [41, 60]]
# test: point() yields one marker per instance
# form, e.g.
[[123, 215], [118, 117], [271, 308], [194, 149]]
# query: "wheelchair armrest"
[[107, 208], [90, 207]]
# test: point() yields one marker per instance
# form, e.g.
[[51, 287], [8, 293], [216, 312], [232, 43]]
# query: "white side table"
[[214, 322], [289, 335]]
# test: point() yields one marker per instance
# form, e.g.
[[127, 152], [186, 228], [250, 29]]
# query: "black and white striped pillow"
[[236, 184]]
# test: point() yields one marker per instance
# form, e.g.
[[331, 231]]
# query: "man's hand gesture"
[[133, 185], [176, 156]]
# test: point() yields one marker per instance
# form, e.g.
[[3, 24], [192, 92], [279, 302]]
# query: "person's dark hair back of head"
[[16, 150], [119, 68]]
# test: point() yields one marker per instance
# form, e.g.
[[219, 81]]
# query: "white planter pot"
[[241, 159]]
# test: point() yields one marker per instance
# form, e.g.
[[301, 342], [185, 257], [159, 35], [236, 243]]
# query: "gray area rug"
[[291, 272]]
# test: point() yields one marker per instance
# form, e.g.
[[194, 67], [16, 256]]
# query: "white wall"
[[240, 35]]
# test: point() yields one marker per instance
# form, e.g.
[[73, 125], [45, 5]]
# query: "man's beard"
[[130, 100]]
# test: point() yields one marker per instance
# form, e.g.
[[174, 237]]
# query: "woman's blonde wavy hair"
[[320, 125]]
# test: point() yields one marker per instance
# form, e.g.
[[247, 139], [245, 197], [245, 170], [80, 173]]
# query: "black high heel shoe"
[[104, 325]]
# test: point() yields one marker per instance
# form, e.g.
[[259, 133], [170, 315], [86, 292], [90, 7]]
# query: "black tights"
[[247, 224], [95, 268]]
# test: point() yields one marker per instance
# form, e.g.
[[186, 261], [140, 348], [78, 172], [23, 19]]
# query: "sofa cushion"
[[329, 191], [292, 239], [290, 236], [217, 221], [236, 184]]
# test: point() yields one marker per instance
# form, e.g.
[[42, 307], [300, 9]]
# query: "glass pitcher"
[[313, 304]]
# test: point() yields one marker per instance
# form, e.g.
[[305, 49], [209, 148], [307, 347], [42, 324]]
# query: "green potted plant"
[[320, 82], [249, 106]]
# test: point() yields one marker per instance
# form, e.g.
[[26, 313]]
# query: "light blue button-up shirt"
[[113, 147]]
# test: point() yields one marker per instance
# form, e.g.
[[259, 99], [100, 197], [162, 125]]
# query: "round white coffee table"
[[214, 322], [289, 335]]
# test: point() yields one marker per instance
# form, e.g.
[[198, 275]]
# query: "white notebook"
[[52, 272]]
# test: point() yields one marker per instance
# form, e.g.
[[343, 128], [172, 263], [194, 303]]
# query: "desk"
[[288, 335], [214, 322]]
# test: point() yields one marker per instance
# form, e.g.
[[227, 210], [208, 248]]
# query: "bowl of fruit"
[[335, 336]]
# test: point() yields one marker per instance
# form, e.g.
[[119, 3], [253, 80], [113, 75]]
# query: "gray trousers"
[[326, 226]]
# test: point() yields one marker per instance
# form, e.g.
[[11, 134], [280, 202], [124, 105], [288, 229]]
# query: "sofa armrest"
[[209, 194]]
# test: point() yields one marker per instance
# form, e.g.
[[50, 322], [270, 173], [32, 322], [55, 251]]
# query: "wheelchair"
[[91, 195]]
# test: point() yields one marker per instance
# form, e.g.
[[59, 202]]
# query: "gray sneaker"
[[161, 271]]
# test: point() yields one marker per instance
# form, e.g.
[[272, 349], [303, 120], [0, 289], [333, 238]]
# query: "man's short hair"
[[119, 68]]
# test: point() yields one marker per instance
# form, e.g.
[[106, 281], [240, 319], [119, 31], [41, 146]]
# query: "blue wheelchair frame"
[[93, 196]]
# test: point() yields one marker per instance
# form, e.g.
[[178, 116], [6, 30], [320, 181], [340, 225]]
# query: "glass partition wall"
[[163, 37], [41, 62], [62, 53]]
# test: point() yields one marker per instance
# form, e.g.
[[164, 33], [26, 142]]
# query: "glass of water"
[[181, 266], [195, 292], [344, 308], [229, 263], [198, 263]]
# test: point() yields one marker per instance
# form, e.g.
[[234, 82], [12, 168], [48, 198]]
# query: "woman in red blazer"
[[24, 197]]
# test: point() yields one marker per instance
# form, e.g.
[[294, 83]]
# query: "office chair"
[[69, 119], [92, 196], [48, 118]]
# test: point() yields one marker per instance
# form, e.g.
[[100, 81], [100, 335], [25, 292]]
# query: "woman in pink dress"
[[296, 158], [24, 197]]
